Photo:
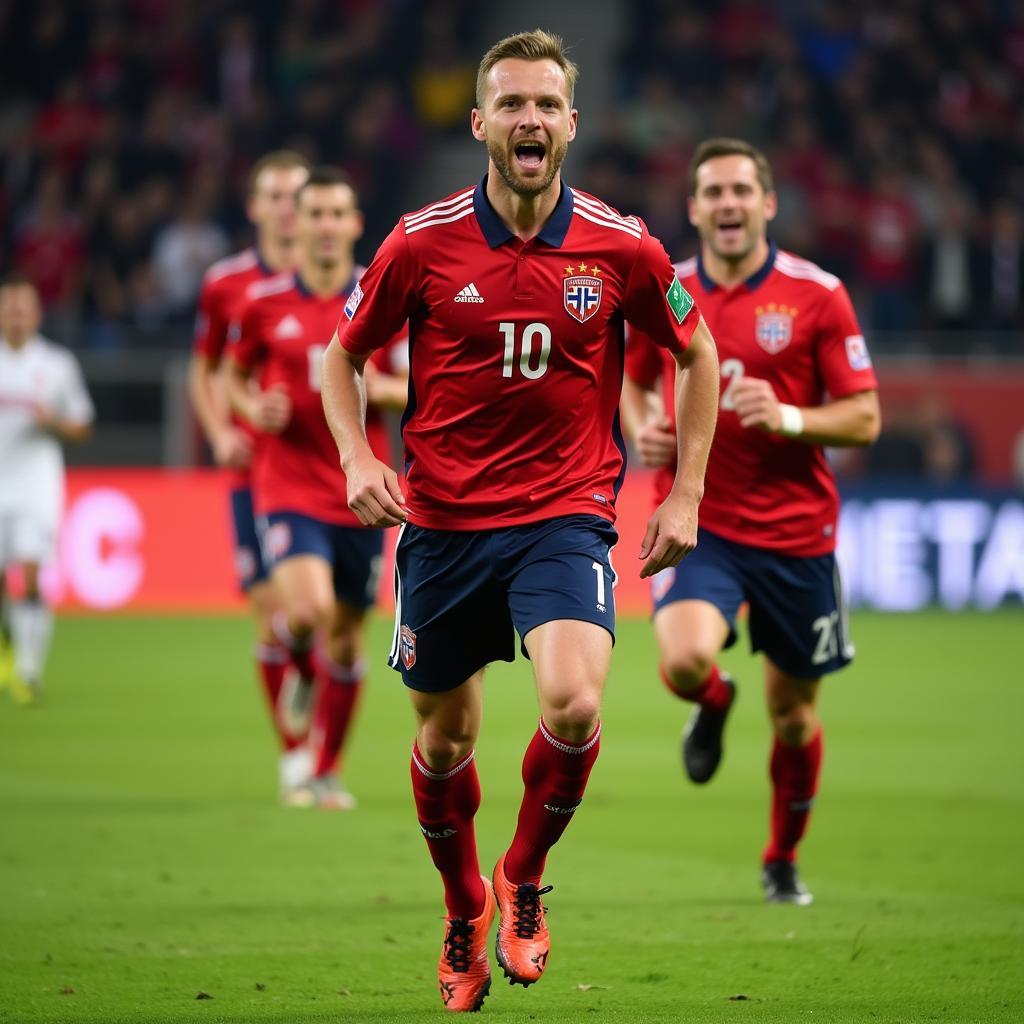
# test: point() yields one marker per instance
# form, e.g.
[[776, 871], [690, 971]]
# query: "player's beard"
[[527, 190]]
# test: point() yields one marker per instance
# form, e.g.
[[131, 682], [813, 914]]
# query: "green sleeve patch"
[[679, 300]]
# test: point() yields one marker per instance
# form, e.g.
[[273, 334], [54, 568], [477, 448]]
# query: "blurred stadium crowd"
[[896, 131]]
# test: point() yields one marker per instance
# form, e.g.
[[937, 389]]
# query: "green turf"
[[143, 859]]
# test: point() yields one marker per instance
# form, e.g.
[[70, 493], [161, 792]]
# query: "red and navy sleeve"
[[246, 339], [384, 298], [842, 354], [211, 327], [655, 300]]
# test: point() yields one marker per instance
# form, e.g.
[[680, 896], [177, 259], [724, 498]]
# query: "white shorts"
[[25, 538]]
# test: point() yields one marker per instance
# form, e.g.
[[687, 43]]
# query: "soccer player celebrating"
[[324, 564], [796, 376], [273, 182], [43, 402], [516, 291]]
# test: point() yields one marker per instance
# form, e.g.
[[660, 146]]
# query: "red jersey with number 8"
[[516, 353], [283, 332], [791, 324]]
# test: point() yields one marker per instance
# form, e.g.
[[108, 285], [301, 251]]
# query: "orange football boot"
[[523, 941], [464, 972]]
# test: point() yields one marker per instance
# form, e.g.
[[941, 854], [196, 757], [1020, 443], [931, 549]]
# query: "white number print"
[[530, 332], [599, 569], [315, 354], [732, 371], [827, 646]]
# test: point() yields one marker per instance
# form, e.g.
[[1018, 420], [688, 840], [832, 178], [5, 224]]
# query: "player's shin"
[[446, 803], [794, 775], [337, 694], [555, 774], [272, 660], [31, 631]]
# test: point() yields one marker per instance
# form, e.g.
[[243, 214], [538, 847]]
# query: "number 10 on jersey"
[[531, 333]]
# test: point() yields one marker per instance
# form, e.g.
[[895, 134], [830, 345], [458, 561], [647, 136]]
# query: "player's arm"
[[374, 493], [640, 408], [672, 530], [206, 388], [268, 409], [69, 431], [851, 421], [230, 446], [375, 312], [71, 417], [657, 303]]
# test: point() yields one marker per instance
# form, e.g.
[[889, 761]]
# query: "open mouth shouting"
[[729, 230], [529, 154]]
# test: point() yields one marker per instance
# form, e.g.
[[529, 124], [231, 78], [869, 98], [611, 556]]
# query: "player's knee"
[[444, 745], [574, 719], [794, 722], [307, 615], [688, 667]]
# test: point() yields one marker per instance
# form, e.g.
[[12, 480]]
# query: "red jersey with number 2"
[[516, 353], [791, 324], [283, 333]]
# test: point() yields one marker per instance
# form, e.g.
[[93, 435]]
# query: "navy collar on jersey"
[[265, 267], [307, 293], [555, 228], [756, 279]]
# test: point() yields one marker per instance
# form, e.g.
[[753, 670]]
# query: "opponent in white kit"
[[43, 401]]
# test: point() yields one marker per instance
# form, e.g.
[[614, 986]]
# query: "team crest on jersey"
[[774, 327], [581, 290], [857, 352], [407, 646]]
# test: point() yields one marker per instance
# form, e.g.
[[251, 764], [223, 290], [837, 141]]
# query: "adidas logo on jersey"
[[289, 327], [469, 294]]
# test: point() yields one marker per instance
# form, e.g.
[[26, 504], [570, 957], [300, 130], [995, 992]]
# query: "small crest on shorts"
[[661, 583], [277, 541], [582, 288], [407, 645], [774, 327]]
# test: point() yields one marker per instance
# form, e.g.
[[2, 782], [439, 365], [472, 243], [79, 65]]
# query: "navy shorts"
[[249, 564], [461, 596], [797, 613], [354, 553]]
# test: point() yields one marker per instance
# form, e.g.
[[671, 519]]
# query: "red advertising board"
[[160, 541]]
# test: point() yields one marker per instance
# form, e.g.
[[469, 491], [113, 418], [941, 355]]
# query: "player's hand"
[[272, 409], [756, 404], [656, 444], [44, 418], [671, 534], [232, 448], [374, 493]]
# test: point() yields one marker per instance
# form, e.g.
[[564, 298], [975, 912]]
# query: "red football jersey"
[[220, 304], [283, 333], [792, 325], [516, 353]]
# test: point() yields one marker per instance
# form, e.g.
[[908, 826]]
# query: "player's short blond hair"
[[278, 160], [709, 149], [535, 45]]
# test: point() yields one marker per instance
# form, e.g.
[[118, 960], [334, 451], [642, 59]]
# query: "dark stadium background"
[[896, 131]]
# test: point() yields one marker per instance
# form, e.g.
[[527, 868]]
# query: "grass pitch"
[[143, 859]]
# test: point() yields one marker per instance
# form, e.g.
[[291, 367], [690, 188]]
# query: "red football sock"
[[300, 648], [271, 662], [446, 803], [337, 693], [794, 773], [712, 693], [555, 774]]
